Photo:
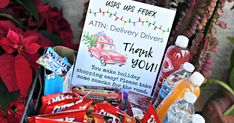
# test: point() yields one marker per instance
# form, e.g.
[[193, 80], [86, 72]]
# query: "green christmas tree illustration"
[[89, 40]]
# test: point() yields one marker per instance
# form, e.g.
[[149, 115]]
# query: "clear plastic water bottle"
[[182, 110], [197, 118], [175, 77]]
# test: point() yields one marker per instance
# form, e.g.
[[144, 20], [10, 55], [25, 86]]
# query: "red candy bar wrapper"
[[62, 117], [99, 94], [137, 104], [76, 104], [116, 115], [56, 98], [150, 115], [52, 98], [46, 120], [48, 109], [79, 106], [97, 118]]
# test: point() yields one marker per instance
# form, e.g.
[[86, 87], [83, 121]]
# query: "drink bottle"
[[186, 85], [175, 56], [182, 110], [197, 118], [174, 78]]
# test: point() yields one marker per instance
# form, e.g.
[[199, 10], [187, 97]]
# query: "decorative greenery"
[[89, 40], [230, 85]]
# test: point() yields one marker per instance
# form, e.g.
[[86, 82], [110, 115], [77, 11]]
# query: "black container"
[[34, 98]]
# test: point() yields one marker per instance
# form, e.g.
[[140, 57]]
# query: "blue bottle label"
[[165, 90]]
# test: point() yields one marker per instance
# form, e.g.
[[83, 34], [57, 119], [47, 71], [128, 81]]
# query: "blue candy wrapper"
[[53, 62], [53, 84]]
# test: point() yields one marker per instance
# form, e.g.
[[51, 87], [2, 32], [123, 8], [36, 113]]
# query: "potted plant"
[[221, 109]]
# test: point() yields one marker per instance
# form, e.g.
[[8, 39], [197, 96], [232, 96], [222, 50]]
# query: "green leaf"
[[5, 15], [1, 51], [52, 37], [232, 7], [232, 59], [44, 1], [231, 39], [222, 84], [229, 111], [231, 78], [30, 6], [6, 97]]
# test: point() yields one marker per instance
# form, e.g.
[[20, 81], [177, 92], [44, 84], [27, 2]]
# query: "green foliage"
[[6, 97], [5, 15], [231, 39], [228, 86], [229, 111], [222, 84], [231, 78], [45, 1], [232, 59], [89, 40], [30, 6], [52, 37]]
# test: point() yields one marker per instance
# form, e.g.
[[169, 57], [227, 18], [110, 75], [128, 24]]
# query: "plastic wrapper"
[[99, 94]]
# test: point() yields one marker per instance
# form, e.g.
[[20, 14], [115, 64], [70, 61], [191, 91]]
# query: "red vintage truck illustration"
[[104, 50]]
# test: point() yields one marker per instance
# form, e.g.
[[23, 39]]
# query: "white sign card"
[[122, 45]]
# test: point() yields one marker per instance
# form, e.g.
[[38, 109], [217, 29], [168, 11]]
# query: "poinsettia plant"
[[26, 28]]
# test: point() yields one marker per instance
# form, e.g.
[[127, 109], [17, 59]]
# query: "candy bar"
[[53, 62], [63, 117], [116, 115], [150, 115], [137, 104], [73, 104], [99, 94]]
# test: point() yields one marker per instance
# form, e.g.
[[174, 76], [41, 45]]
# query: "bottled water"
[[175, 77], [182, 110], [197, 118]]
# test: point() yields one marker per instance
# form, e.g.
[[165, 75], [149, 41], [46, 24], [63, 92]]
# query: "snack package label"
[[150, 115]]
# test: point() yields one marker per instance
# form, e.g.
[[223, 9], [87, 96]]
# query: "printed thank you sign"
[[122, 45]]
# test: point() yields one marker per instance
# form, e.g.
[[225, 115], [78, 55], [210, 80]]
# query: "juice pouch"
[[116, 115], [150, 115], [63, 117]]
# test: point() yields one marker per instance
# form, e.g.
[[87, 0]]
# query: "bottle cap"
[[197, 79], [197, 118], [190, 97], [188, 67], [182, 41]]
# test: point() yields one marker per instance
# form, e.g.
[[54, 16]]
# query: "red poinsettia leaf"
[[4, 3], [33, 48], [7, 72], [7, 46], [42, 40], [14, 37], [5, 26], [23, 74], [30, 44]]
